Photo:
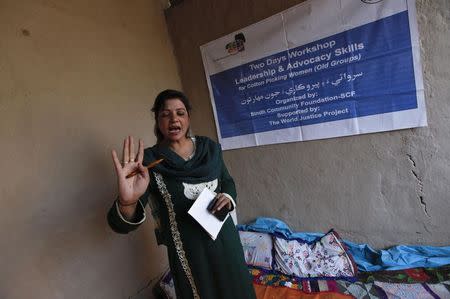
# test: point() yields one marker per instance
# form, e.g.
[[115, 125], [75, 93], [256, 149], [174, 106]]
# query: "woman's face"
[[173, 120]]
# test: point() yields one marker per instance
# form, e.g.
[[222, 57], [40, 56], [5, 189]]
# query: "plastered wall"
[[384, 189], [75, 78]]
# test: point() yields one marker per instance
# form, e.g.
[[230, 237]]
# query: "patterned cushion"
[[327, 257], [257, 249]]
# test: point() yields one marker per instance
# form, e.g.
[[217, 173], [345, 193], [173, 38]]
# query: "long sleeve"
[[122, 226], [227, 184]]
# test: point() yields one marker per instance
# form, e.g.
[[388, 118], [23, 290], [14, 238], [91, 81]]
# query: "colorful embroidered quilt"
[[411, 283]]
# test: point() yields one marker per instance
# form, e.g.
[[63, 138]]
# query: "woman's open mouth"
[[174, 129]]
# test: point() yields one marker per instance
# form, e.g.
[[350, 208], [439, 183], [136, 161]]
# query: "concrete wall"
[[385, 188], [75, 78]]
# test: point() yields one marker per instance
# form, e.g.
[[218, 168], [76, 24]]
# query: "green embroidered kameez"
[[201, 267]]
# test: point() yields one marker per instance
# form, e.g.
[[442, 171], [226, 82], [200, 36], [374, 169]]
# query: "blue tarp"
[[367, 259]]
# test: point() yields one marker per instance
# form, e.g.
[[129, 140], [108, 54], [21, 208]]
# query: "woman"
[[201, 267]]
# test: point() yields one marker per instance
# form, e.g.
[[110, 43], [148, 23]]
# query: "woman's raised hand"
[[132, 188]]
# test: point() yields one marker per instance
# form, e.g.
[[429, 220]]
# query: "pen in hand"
[[151, 165]]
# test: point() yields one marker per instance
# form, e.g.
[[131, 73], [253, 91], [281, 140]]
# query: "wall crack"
[[424, 205], [411, 160], [419, 189]]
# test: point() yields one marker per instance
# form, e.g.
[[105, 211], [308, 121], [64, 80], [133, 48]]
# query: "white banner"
[[321, 69]]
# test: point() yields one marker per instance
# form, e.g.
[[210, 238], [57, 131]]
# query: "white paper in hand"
[[199, 211]]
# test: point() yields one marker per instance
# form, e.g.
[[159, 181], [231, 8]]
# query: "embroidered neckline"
[[192, 191]]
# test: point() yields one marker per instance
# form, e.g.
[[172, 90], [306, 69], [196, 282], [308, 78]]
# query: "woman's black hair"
[[161, 98]]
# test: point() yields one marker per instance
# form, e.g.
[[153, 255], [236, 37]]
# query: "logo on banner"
[[371, 1], [234, 47], [237, 45]]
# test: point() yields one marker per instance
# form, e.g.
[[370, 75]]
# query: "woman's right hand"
[[134, 187]]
